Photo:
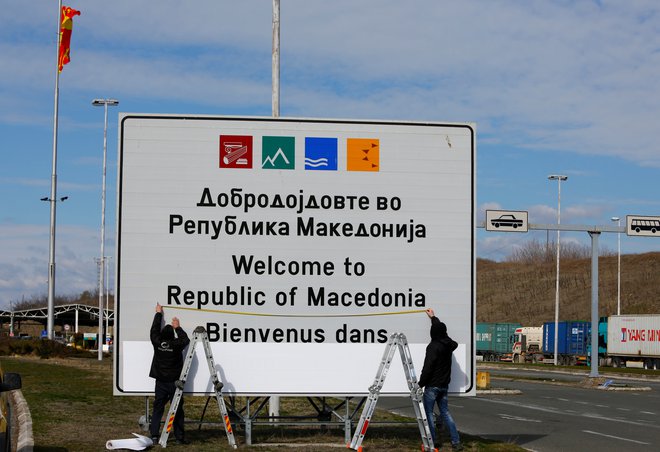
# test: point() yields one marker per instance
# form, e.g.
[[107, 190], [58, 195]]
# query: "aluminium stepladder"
[[199, 334], [396, 341]]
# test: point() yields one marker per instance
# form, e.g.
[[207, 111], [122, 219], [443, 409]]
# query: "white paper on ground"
[[140, 442]]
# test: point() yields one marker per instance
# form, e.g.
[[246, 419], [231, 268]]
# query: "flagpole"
[[53, 187]]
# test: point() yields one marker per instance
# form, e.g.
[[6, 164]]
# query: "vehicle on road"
[[630, 338], [537, 344], [495, 341], [623, 341]]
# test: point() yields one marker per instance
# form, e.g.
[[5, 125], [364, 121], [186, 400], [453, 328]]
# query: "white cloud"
[[551, 75], [24, 261]]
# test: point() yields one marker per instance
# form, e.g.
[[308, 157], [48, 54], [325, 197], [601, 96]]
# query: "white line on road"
[[517, 418], [616, 437], [648, 412], [519, 405]]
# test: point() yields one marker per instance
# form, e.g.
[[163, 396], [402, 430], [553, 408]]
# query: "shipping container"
[[495, 341], [634, 338], [573, 341]]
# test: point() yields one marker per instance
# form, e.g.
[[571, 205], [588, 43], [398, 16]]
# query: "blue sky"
[[567, 87]]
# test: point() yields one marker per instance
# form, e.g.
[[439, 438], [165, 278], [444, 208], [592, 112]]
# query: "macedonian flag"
[[66, 26]]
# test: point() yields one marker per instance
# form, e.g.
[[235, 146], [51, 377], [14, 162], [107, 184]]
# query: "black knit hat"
[[167, 333]]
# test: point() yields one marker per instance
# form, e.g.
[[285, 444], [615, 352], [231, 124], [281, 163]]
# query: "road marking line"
[[648, 412], [519, 405], [616, 437], [517, 418], [623, 409]]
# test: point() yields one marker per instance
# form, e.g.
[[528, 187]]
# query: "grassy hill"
[[525, 292]]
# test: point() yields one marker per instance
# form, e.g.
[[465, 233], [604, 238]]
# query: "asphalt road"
[[549, 417]]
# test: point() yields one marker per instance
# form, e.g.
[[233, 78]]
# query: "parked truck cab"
[[527, 344]]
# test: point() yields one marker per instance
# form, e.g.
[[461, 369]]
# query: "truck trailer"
[[495, 341], [633, 338], [537, 344], [573, 342]]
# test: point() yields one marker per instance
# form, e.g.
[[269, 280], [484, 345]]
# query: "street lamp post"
[[105, 103], [618, 277], [559, 178]]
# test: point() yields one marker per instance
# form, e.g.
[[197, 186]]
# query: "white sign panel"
[[506, 221], [643, 225], [300, 245]]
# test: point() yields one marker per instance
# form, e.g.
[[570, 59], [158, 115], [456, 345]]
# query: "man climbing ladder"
[[199, 334], [396, 341]]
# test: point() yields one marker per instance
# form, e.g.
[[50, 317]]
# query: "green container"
[[495, 338]]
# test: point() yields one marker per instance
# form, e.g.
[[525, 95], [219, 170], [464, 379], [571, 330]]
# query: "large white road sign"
[[300, 245]]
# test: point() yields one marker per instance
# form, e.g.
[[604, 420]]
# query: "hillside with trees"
[[522, 289]]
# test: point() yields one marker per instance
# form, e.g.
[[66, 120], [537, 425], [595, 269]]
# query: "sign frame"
[[155, 149], [512, 221]]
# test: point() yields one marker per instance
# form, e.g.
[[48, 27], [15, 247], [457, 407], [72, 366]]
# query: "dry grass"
[[73, 409]]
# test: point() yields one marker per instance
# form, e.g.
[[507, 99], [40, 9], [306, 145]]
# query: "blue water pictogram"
[[320, 154]]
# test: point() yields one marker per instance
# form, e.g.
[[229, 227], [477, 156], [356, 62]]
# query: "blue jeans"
[[433, 395]]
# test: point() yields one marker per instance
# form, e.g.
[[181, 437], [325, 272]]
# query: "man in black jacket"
[[435, 378], [166, 369]]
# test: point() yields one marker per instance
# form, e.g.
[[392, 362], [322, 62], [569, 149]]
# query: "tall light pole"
[[618, 277], [559, 178], [105, 103]]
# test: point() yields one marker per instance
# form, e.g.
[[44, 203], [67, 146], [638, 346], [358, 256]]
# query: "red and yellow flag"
[[66, 26]]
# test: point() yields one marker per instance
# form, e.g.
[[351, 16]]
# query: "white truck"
[[634, 338], [527, 344]]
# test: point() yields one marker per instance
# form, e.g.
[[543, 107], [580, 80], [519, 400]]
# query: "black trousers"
[[165, 393]]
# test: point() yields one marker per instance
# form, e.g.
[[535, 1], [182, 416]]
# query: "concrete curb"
[[499, 391], [25, 440]]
